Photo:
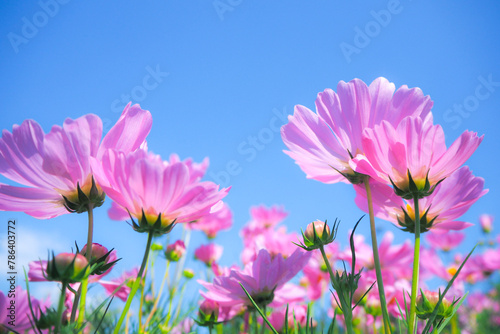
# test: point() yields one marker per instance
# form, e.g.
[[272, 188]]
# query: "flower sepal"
[[408, 224], [427, 301], [420, 189], [67, 268], [81, 202], [158, 227], [99, 262], [208, 313], [318, 234]]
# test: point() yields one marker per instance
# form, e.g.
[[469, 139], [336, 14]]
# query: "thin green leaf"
[[286, 319], [450, 283], [259, 310], [455, 309], [34, 325], [403, 316], [361, 299]]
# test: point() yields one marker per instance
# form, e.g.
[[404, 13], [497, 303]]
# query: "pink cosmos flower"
[[262, 219], [144, 186], [491, 260], [445, 242], [21, 315], [211, 224], [486, 222], [208, 254], [121, 286], [267, 217], [263, 279], [415, 145], [395, 260], [450, 200], [275, 241], [50, 166], [323, 143]]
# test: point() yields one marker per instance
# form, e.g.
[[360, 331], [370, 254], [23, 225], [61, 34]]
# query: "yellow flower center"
[[452, 271]]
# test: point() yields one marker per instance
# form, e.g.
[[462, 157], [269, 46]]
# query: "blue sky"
[[219, 76]]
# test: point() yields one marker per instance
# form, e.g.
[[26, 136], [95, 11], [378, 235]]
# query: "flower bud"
[[98, 251], [486, 222], [101, 260], [67, 267], [373, 307], [175, 251], [209, 310], [317, 234], [426, 303], [156, 247], [188, 273], [317, 229]]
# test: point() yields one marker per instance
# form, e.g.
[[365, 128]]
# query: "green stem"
[[255, 323], [135, 287], [81, 309], [60, 307], [157, 299], [348, 309], [263, 329], [77, 303], [376, 258], [141, 301], [90, 231], [454, 325], [83, 288], [412, 325], [327, 263], [179, 302]]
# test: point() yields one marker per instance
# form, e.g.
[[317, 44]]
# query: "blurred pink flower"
[[416, 146], [51, 165], [450, 200], [445, 242], [183, 327], [262, 219], [296, 314], [140, 183], [316, 279], [275, 241], [486, 222], [121, 286], [263, 279], [208, 254], [395, 260], [20, 316], [211, 224], [323, 143]]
